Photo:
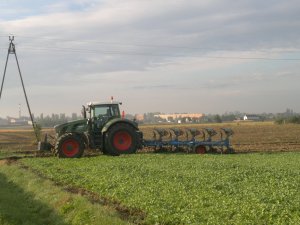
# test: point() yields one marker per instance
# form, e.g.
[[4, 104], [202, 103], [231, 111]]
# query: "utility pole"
[[12, 50], [20, 111]]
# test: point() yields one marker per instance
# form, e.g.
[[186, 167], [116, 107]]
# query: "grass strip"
[[28, 199]]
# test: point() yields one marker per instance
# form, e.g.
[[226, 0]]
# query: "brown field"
[[248, 137], [18, 139], [252, 136]]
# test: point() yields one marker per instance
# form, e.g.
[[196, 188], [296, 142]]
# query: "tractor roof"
[[104, 103]]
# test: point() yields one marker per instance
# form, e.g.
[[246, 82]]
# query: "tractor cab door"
[[101, 114]]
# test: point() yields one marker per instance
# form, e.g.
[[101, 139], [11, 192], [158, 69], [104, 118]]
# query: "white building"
[[252, 117]]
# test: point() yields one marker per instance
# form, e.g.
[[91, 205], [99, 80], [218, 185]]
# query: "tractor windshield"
[[106, 111]]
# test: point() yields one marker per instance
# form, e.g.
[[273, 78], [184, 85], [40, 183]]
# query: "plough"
[[191, 139]]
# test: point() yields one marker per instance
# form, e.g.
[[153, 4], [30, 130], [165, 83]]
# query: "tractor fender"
[[114, 121]]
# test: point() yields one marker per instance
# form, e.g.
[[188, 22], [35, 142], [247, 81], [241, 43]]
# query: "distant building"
[[252, 117], [74, 116], [19, 121], [139, 117], [3, 122]]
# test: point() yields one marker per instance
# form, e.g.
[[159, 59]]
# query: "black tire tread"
[[109, 147]]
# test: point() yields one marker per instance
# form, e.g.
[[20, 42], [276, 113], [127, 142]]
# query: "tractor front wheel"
[[121, 139], [69, 146]]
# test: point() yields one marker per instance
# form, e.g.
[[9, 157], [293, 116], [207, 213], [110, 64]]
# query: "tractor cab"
[[100, 113]]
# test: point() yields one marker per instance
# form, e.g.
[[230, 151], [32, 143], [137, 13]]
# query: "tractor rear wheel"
[[121, 139], [69, 146]]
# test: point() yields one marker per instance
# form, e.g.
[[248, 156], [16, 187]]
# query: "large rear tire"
[[121, 139], [69, 146]]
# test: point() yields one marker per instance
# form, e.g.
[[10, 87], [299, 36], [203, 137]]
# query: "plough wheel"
[[121, 139], [200, 149]]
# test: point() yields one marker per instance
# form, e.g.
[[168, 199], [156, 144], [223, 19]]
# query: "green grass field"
[[148, 188], [188, 189]]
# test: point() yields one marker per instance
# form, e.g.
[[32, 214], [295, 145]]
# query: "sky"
[[209, 56]]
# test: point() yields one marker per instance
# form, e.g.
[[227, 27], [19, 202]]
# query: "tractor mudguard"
[[118, 120]]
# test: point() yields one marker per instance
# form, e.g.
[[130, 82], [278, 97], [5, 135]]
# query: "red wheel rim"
[[70, 148], [200, 149], [122, 140]]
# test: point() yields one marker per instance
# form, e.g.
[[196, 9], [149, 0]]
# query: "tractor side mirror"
[[83, 112]]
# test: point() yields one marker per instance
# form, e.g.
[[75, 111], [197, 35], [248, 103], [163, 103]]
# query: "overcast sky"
[[208, 56]]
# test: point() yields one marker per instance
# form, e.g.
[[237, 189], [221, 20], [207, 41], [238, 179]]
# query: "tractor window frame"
[[105, 111]]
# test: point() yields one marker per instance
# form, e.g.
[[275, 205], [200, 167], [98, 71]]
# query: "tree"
[[217, 118]]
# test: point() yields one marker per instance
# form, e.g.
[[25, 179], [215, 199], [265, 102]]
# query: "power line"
[[117, 43], [134, 53], [131, 52], [150, 45]]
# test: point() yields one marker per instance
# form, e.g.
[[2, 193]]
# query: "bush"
[[292, 119], [280, 121]]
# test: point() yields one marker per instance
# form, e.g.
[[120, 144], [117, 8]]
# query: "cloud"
[[192, 49]]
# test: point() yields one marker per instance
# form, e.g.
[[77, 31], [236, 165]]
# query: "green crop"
[[189, 189]]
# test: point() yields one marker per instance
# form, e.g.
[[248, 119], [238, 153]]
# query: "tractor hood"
[[78, 126]]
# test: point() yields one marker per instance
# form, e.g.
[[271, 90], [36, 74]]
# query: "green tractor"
[[102, 128]]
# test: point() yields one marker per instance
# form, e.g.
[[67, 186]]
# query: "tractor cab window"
[[106, 111]]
